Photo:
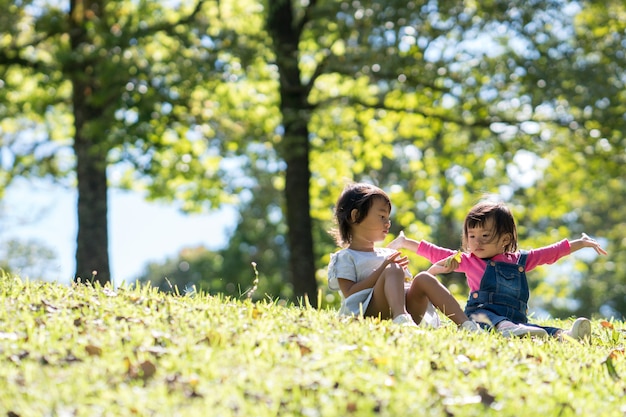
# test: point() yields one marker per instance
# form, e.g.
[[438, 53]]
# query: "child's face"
[[375, 226], [482, 242]]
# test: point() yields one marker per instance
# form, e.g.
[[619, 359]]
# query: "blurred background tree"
[[28, 259]]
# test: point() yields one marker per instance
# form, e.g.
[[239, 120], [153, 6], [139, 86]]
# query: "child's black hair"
[[503, 222], [359, 197]]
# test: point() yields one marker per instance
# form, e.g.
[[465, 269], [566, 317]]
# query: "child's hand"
[[446, 265], [398, 259], [437, 269], [399, 242], [454, 260], [591, 243]]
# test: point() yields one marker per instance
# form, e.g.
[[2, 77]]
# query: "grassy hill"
[[84, 351]]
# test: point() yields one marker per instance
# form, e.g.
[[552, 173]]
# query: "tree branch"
[[306, 18], [167, 27]]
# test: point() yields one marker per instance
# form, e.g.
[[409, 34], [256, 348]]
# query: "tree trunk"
[[299, 235], [92, 245], [294, 149], [92, 255]]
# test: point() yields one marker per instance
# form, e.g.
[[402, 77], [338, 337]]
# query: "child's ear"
[[354, 214], [506, 239]]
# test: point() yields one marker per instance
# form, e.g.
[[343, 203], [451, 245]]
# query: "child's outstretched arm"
[[403, 242], [586, 242]]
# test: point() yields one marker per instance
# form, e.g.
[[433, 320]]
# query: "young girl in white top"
[[373, 281]]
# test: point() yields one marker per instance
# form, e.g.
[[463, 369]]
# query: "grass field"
[[131, 351]]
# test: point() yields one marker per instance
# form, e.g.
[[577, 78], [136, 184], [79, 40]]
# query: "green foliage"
[[259, 237], [183, 274], [216, 272], [437, 102], [91, 350]]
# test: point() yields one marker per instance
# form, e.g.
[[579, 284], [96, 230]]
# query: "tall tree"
[[126, 76], [286, 33]]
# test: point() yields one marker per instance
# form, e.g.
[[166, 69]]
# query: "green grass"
[[83, 351]]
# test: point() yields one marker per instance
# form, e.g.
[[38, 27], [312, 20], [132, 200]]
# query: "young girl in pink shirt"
[[496, 271]]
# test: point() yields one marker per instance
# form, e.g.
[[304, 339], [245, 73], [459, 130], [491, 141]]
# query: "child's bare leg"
[[426, 287], [388, 294]]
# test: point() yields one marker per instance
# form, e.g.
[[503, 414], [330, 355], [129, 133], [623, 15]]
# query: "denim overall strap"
[[522, 258], [503, 292]]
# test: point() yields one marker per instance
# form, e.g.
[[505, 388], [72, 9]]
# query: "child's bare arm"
[[403, 242]]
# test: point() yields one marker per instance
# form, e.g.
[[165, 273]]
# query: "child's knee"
[[424, 276], [395, 270], [394, 273], [422, 282]]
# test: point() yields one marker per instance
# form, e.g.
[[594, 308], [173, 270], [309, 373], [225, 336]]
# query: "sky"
[[139, 232]]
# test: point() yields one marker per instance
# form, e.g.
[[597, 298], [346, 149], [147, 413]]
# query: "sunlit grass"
[[84, 351]]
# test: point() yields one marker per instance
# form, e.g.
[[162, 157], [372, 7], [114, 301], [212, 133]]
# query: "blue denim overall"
[[503, 295]]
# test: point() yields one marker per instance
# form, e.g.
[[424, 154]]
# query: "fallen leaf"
[[128, 365], [70, 357], [148, 369], [606, 324], [615, 352], [49, 307], [255, 313], [109, 292], [137, 299], [17, 357], [381, 360], [193, 380], [155, 350], [485, 397], [304, 349], [93, 350]]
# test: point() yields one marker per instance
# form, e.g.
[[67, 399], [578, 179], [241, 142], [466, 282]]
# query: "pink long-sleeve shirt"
[[474, 267]]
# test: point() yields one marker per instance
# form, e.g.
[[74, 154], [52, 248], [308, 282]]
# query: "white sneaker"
[[581, 329], [404, 320], [471, 326], [509, 329]]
